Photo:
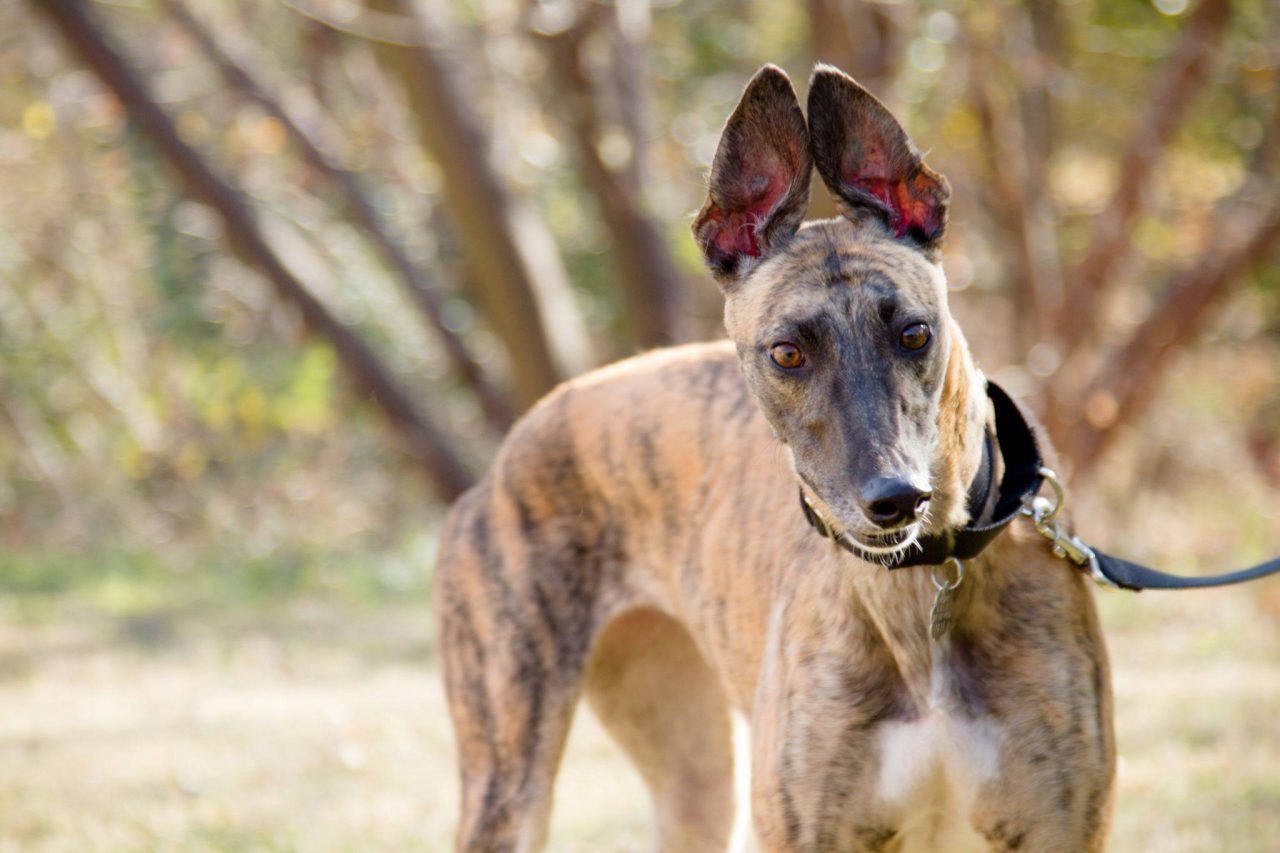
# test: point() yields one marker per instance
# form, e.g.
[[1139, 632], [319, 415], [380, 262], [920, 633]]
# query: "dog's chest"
[[931, 770]]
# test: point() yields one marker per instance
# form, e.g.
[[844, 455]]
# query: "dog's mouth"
[[888, 545], [884, 546]]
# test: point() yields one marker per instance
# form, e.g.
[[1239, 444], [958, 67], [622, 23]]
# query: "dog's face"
[[841, 326]]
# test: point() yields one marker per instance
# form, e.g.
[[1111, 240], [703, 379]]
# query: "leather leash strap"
[[1023, 476], [1137, 577]]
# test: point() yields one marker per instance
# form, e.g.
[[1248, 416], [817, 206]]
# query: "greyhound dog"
[[638, 540]]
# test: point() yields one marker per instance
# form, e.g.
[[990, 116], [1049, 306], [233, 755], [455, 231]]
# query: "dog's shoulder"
[[635, 418], [673, 366], [635, 394]]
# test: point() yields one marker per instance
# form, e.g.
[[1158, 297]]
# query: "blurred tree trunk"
[[631, 27], [414, 281], [861, 39], [1091, 393], [1183, 76], [643, 266], [523, 289], [1127, 382], [1037, 42], [1004, 188], [421, 438], [857, 37], [1036, 35]]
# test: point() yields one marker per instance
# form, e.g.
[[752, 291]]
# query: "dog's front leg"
[[814, 755]]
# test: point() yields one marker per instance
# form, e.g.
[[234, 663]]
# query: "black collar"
[[1023, 475], [1020, 454]]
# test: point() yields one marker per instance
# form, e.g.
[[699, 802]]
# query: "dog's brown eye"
[[915, 336], [786, 355]]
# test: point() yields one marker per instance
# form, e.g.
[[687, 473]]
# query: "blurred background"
[[275, 277]]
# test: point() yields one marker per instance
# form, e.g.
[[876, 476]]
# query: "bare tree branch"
[[857, 37], [630, 26], [422, 439], [860, 38], [1182, 78], [237, 72], [1033, 276], [1037, 47], [523, 289], [1127, 382], [651, 285], [348, 18]]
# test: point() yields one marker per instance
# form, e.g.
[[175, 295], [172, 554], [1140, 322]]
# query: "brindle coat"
[[638, 539]]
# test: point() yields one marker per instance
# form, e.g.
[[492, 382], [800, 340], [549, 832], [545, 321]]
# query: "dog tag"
[[940, 615]]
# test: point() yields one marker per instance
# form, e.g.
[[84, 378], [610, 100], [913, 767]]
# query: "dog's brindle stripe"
[[658, 493]]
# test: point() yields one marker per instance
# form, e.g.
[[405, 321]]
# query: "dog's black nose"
[[890, 503]]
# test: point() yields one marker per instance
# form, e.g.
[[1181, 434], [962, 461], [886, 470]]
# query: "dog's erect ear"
[[759, 186], [866, 158]]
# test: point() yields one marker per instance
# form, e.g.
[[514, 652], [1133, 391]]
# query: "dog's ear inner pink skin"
[[759, 186], [867, 160]]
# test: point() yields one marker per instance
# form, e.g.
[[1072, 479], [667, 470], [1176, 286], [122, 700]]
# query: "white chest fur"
[[930, 772]]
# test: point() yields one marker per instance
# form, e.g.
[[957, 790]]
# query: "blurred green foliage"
[[156, 396]]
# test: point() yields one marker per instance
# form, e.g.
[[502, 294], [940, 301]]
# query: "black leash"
[[1016, 496]]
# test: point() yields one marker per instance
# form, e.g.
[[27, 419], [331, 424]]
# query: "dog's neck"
[[897, 602]]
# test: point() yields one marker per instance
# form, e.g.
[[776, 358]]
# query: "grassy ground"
[[313, 719]]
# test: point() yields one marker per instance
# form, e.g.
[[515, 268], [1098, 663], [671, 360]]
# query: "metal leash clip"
[[1042, 513]]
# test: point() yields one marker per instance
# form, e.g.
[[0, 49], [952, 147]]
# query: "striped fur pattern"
[[637, 542]]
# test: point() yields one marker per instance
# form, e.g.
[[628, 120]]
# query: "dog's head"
[[842, 325]]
